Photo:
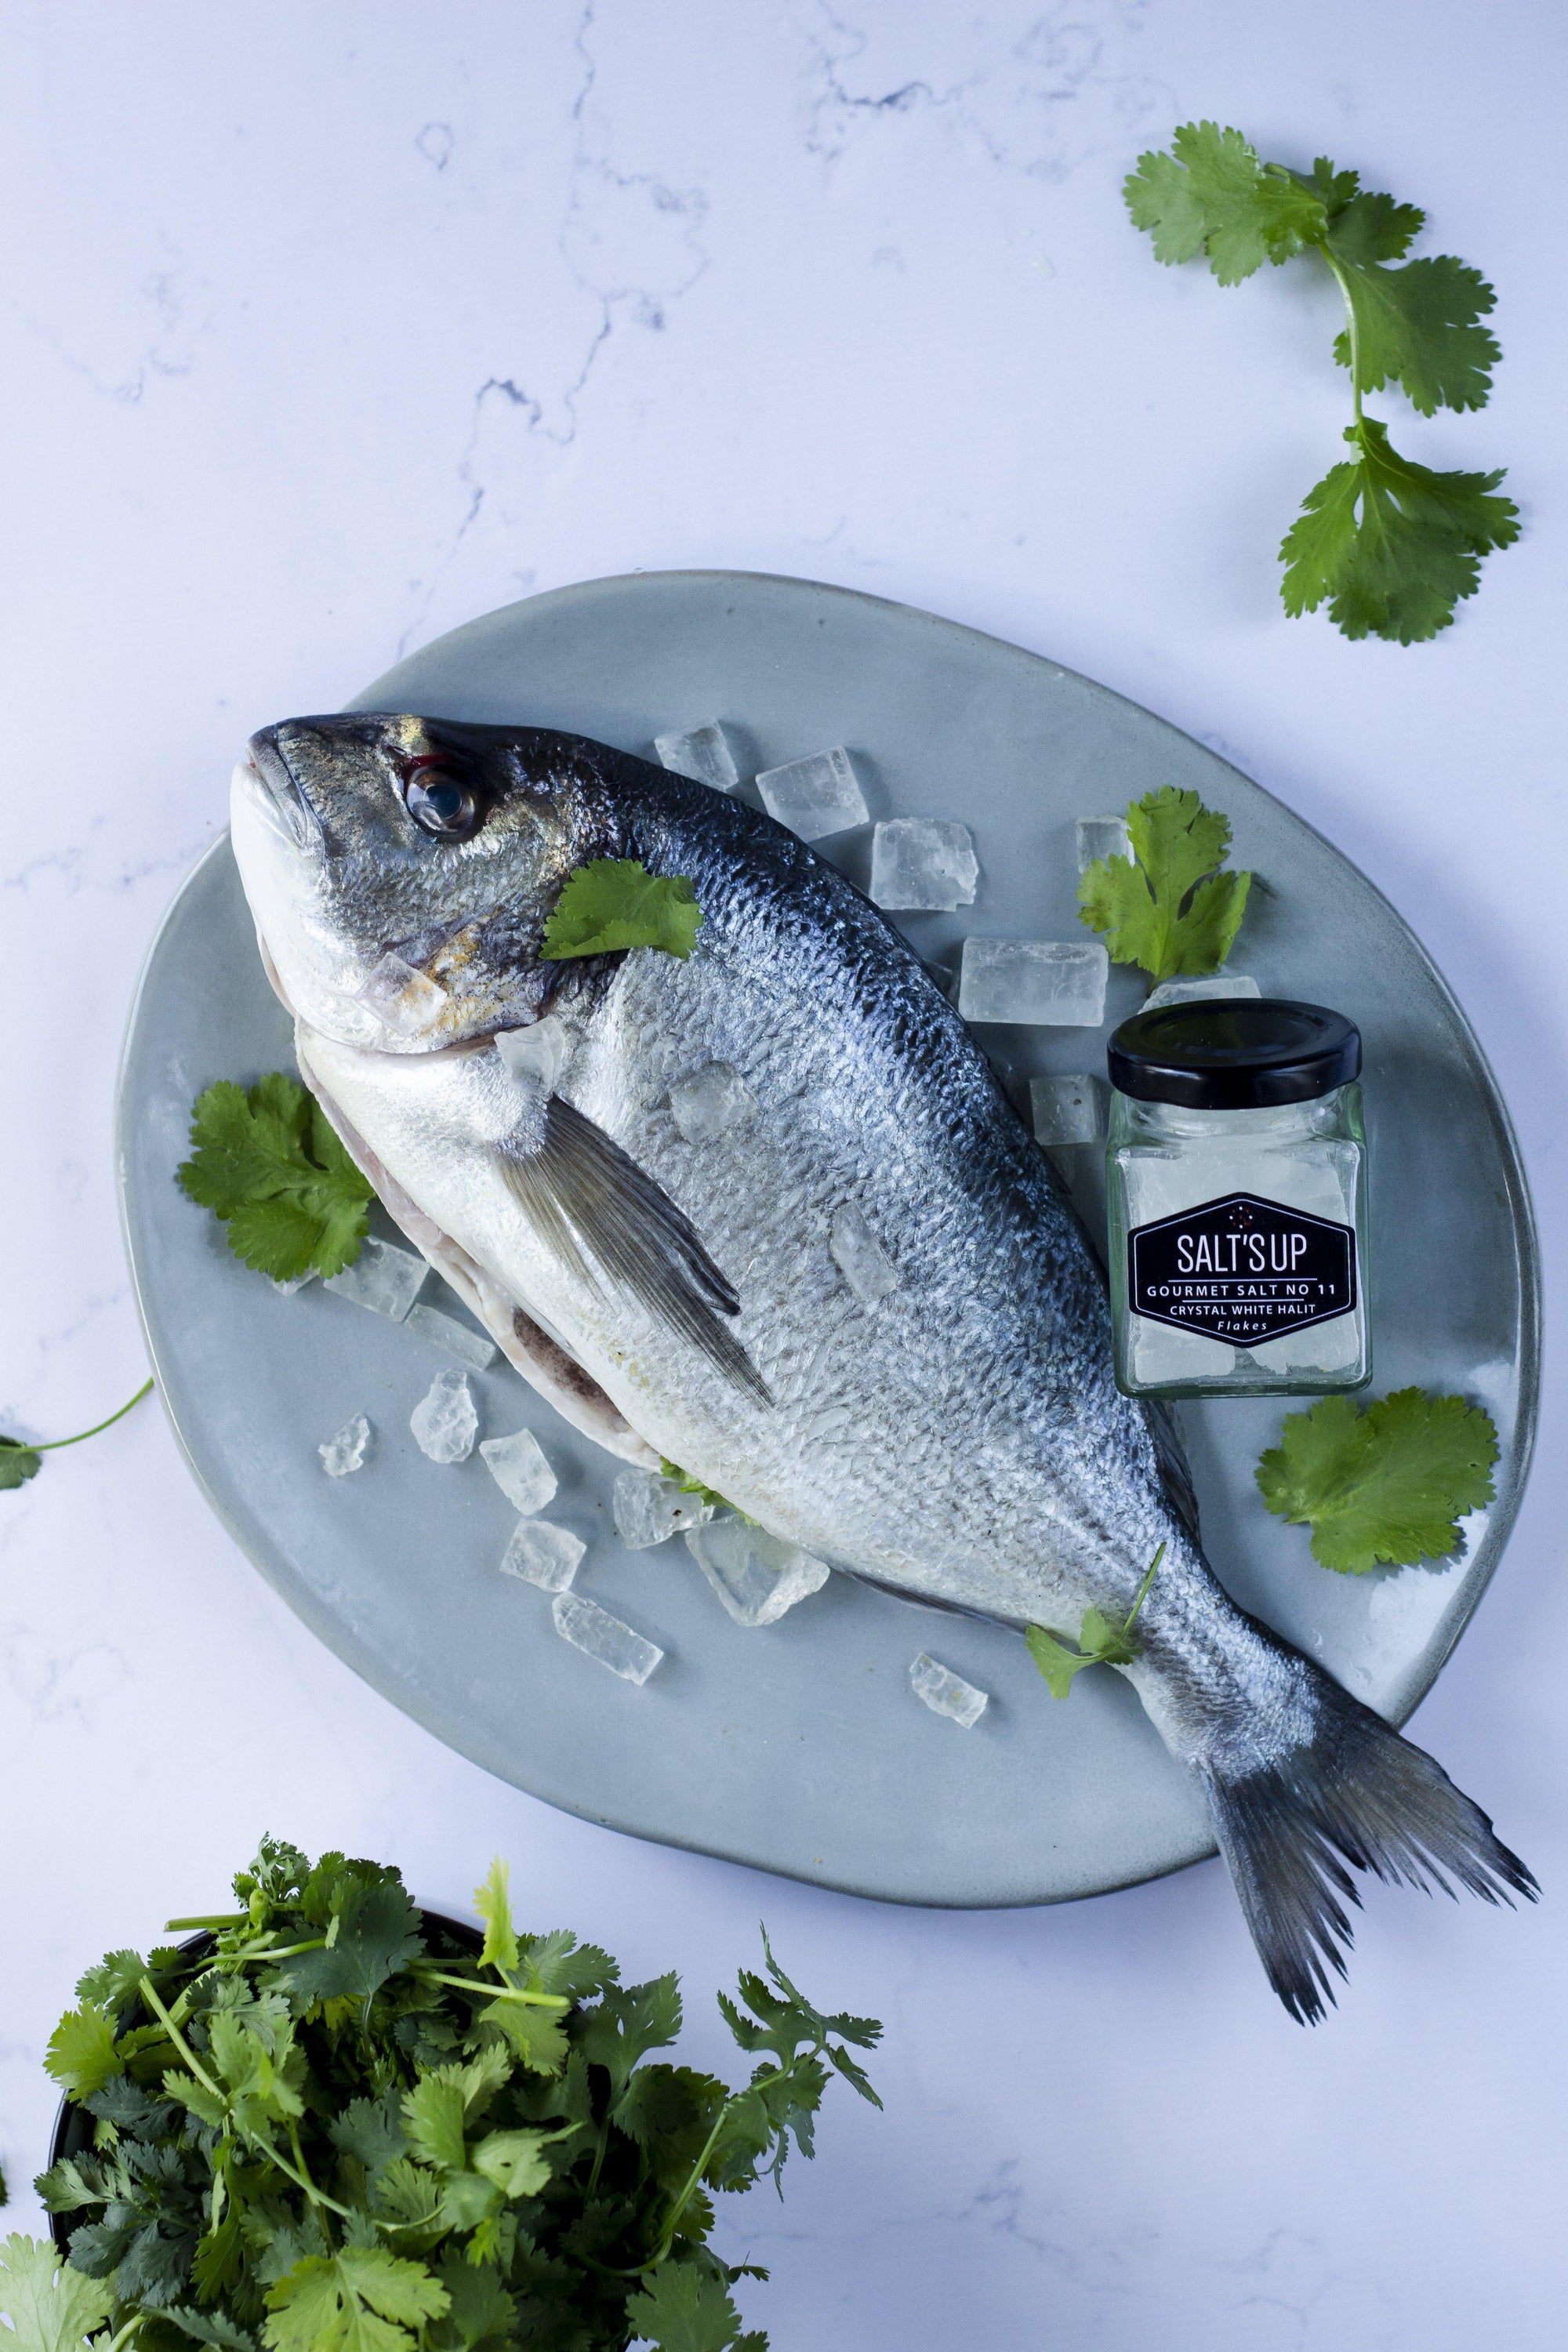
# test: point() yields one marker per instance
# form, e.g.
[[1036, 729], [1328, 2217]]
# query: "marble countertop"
[[331, 327]]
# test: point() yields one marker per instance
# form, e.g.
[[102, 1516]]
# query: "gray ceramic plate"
[[801, 1747]]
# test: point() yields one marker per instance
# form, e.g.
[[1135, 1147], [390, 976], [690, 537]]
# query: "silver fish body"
[[951, 1431]]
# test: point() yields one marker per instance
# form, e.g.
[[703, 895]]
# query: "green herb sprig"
[[22, 1458], [1391, 546], [340, 2131], [1101, 1641], [1386, 1486], [266, 1162], [614, 903], [1168, 908]]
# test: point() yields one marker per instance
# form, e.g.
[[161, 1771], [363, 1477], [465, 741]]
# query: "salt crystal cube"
[[594, 1630], [1040, 983], [543, 1554], [923, 862], [710, 1102], [385, 1279], [1101, 837], [1197, 992], [288, 1289], [345, 1452], [650, 1509], [815, 796], [703, 754], [1069, 1110], [535, 1054], [860, 1255], [406, 1002], [756, 1577], [518, 1466], [946, 1693], [445, 1421]]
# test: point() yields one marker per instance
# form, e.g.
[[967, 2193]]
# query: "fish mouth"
[[279, 796]]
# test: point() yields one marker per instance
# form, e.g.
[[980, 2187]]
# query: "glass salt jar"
[[1237, 1201]]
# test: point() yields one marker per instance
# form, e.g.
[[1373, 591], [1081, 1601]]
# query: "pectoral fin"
[[591, 1203]]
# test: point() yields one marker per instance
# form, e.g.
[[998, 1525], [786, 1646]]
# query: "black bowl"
[[74, 2127]]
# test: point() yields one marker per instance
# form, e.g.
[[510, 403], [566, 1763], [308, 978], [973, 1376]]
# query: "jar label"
[[1241, 1269]]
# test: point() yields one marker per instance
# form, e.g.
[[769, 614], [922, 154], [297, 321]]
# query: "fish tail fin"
[[1356, 1796]]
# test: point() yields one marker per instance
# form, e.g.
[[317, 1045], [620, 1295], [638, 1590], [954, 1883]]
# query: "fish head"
[[400, 870]]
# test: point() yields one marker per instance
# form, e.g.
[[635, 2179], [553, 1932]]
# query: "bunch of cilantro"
[[336, 2129], [1392, 546]]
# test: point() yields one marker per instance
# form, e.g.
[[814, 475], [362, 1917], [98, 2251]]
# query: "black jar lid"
[[1234, 1052]]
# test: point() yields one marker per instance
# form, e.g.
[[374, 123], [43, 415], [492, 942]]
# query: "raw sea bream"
[[864, 1311]]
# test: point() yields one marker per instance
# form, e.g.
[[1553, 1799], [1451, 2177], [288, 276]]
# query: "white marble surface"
[[330, 326]]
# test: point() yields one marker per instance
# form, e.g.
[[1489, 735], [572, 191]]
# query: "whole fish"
[[949, 1426]]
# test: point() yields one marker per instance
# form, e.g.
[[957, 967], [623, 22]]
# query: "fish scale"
[[960, 1440]]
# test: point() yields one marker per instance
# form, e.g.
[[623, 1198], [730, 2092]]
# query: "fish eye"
[[440, 802]]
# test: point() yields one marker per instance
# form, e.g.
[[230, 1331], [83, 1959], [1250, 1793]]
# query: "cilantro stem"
[[494, 1993], [181, 2044], [53, 1444], [1351, 328], [1144, 1589], [127, 2332], [216, 1920]]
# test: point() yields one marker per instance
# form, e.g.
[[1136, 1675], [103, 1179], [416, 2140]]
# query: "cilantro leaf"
[[629, 2021], [360, 2300], [269, 1165], [614, 903], [82, 2055], [376, 1930], [1417, 327], [50, 2307], [19, 1462], [1212, 195], [1384, 1486], [492, 1901], [683, 2308], [1167, 909], [1393, 546], [515, 2161]]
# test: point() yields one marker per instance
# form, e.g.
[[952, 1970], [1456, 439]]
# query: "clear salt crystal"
[[710, 1102], [815, 796], [593, 1630], [946, 1693], [520, 1469], [345, 1452], [543, 1554], [923, 862], [702, 753], [535, 1054], [1197, 992], [1101, 837], [382, 1277], [290, 1289], [650, 1509], [1040, 983], [756, 1577], [460, 1340], [405, 1003], [444, 1422], [860, 1255], [1069, 1110]]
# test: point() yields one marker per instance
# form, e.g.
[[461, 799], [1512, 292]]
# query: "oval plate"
[[800, 1748]]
